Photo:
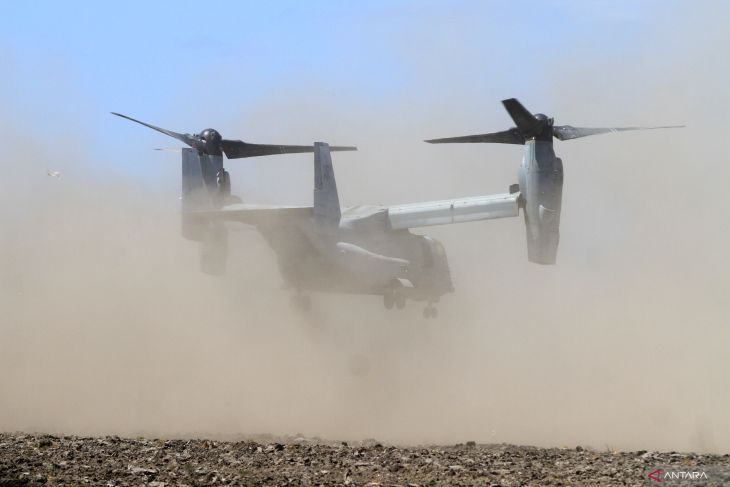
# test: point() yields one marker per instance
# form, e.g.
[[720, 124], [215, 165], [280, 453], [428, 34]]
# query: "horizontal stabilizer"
[[254, 214], [460, 210]]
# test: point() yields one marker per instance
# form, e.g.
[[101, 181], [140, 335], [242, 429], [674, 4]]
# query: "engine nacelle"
[[542, 198], [205, 185]]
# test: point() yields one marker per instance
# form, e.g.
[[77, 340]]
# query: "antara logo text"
[[660, 475]]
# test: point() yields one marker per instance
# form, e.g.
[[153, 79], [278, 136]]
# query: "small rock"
[[143, 470]]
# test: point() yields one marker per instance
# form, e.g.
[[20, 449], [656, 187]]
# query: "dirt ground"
[[113, 461]]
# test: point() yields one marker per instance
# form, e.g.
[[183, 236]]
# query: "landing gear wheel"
[[388, 300], [400, 301]]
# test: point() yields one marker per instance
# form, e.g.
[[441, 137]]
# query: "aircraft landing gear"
[[430, 311], [394, 299], [301, 302]]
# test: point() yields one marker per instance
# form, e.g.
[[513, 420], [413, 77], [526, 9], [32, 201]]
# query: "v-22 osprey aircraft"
[[324, 247], [369, 249]]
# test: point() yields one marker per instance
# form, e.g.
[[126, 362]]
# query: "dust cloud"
[[109, 328]]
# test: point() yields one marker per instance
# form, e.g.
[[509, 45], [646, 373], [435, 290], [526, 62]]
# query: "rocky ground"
[[27, 460]]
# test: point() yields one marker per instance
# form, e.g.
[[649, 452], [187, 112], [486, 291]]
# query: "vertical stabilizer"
[[326, 201]]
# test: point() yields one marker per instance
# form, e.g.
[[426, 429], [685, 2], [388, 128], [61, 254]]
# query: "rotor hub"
[[210, 142]]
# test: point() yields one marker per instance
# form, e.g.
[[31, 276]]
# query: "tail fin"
[[326, 200]]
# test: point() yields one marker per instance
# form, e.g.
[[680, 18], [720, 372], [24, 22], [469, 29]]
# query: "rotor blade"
[[236, 149], [567, 132], [524, 120], [184, 138], [511, 136]]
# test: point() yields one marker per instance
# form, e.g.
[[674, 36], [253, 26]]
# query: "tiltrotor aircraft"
[[541, 174], [323, 247], [367, 249]]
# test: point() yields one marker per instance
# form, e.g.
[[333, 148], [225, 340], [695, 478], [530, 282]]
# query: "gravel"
[[29, 460]]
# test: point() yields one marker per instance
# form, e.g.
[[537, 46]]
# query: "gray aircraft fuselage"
[[361, 255], [323, 247]]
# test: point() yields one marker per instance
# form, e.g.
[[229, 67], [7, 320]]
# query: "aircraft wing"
[[255, 214], [459, 210]]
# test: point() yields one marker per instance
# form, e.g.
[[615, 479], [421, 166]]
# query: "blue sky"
[[187, 65]]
